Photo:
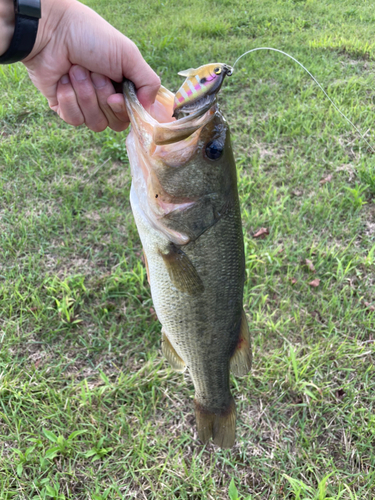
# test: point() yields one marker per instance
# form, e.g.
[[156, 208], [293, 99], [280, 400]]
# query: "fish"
[[185, 204]]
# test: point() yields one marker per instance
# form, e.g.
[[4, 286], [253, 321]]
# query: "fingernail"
[[65, 79], [79, 73], [117, 108], [99, 81]]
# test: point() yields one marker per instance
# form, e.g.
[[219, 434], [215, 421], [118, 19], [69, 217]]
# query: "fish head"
[[183, 171], [202, 82]]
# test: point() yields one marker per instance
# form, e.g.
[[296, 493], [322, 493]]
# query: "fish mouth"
[[158, 121]]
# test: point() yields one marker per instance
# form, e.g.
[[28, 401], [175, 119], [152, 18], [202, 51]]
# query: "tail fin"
[[221, 426]]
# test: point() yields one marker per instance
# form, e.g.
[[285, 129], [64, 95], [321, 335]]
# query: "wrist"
[[7, 21], [53, 12]]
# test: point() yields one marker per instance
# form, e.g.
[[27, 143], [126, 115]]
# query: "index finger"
[[146, 81]]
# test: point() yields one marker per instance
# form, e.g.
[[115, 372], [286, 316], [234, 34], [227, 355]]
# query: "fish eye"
[[214, 150], [217, 71]]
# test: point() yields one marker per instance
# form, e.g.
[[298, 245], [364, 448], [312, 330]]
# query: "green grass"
[[88, 407]]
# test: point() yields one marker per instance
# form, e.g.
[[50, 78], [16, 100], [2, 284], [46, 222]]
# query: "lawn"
[[89, 409]]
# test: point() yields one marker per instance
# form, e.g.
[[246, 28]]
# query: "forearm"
[[7, 18]]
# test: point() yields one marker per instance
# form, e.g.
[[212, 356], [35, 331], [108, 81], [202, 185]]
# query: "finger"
[[94, 117], [116, 114], [147, 93], [67, 106], [117, 104], [136, 69]]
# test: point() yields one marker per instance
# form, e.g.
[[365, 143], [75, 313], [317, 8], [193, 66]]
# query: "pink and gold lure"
[[201, 82]]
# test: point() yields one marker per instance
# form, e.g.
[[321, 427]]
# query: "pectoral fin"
[[240, 362], [182, 272], [171, 355]]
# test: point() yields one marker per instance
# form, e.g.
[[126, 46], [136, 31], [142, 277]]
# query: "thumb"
[[109, 52], [135, 68]]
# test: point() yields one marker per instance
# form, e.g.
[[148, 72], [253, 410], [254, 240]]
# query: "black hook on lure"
[[204, 83]]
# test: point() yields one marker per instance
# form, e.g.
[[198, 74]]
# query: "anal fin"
[[171, 355], [220, 426], [240, 363]]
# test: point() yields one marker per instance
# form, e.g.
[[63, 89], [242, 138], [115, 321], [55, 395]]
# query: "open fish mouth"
[[195, 97], [157, 124], [164, 99]]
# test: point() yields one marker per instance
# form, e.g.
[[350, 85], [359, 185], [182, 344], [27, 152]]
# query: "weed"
[[62, 446], [115, 148], [367, 175], [355, 198]]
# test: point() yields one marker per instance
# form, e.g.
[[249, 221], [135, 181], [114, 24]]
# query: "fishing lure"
[[203, 82]]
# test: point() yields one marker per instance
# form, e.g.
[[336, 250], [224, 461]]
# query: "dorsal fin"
[[240, 363], [188, 72]]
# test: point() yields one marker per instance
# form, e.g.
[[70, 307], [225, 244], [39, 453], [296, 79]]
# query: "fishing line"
[[316, 81]]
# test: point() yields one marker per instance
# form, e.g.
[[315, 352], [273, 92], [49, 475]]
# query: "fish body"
[[185, 203], [204, 81]]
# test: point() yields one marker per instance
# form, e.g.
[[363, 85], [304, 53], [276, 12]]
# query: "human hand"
[[76, 53]]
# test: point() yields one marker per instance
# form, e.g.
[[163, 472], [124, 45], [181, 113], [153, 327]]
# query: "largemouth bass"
[[185, 203]]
